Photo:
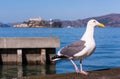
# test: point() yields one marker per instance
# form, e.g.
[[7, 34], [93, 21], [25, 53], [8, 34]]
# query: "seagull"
[[80, 49]]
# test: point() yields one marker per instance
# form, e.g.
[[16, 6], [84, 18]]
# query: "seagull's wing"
[[73, 48]]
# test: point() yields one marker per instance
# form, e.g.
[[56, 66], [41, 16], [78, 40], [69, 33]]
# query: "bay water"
[[106, 55]]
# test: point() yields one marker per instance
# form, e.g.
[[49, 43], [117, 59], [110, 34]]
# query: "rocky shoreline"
[[97, 74]]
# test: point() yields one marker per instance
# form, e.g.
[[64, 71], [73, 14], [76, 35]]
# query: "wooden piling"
[[19, 56], [43, 56]]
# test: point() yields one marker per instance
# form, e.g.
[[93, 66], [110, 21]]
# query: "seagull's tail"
[[57, 57]]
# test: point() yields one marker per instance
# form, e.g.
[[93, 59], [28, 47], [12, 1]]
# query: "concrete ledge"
[[98, 74], [48, 42], [30, 56]]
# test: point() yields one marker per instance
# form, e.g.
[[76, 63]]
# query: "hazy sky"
[[21, 10]]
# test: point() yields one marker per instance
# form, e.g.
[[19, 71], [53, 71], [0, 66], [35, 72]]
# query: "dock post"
[[43, 56], [19, 56]]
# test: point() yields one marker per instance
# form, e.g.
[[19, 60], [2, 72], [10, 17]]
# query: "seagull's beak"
[[101, 25]]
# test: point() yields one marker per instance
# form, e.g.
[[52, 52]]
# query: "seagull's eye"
[[94, 21]]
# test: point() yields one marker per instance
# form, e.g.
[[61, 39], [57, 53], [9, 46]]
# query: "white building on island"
[[26, 23]]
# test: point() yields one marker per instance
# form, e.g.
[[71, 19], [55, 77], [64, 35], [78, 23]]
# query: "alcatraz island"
[[39, 23]]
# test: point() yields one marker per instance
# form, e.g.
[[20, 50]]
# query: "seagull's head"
[[94, 23]]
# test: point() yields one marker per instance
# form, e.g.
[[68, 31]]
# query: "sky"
[[22, 10]]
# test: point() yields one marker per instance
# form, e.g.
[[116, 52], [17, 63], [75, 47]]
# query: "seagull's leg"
[[76, 68], [81, 70]]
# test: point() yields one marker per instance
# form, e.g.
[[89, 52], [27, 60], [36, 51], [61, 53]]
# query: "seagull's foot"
[[77, 71], [83, 72]]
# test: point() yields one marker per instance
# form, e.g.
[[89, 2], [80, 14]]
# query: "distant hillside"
[[4, 25], [111, 20]]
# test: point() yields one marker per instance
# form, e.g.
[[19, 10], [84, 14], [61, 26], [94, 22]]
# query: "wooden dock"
[[32, 50], [98, 74]]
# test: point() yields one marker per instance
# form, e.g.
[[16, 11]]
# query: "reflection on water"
[[13, 71]]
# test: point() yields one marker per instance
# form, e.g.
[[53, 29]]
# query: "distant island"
[[110, 20], [39, 23]]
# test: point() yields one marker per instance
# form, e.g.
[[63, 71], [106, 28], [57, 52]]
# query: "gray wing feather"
[[73, 48]]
